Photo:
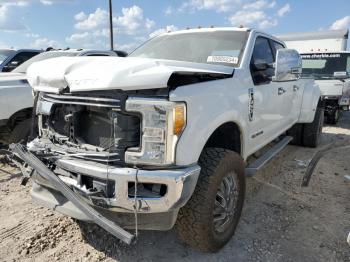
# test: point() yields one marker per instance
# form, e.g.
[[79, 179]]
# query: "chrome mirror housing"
[[288, 66]]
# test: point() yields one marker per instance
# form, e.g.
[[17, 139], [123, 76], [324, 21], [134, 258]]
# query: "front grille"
[[82, 100], [91, 128]]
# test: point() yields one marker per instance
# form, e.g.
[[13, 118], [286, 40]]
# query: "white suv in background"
[[16, 99]]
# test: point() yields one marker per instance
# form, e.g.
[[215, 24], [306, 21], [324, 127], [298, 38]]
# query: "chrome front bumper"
[[61, 192], [180, 185]]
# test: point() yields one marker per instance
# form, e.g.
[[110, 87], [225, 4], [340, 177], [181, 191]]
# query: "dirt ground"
[[281, 221]]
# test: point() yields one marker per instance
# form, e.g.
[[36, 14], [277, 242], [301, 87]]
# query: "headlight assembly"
[[162, 124]]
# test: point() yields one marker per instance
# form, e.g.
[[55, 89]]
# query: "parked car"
[[10, 59], [164, 134], [16, 99]]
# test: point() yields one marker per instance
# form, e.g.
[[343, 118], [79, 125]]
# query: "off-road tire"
[[312, 131], [333, 116], [20, 132], [195, 219]]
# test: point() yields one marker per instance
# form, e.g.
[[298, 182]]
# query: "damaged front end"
[[106, 156]]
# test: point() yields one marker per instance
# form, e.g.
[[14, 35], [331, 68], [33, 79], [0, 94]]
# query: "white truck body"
[[15, 94], [147, 119], [323, 52], [92, 74], [320, 41]]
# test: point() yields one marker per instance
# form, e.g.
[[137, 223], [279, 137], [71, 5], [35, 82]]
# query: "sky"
[[84, 23]]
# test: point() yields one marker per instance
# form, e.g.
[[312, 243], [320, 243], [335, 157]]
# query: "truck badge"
[[251, 104]]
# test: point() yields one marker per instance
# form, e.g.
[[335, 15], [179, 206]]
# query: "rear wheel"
[[312, 131], [333, 116], [210, 217], [296, 132]]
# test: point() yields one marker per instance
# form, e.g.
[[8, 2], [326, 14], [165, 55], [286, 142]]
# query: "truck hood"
[[332, 87], [106, 73]]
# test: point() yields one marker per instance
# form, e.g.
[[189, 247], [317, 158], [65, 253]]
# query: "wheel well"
[[226, 136], [19, 116]]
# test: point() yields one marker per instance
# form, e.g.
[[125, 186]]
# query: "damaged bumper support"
[[64, 194]]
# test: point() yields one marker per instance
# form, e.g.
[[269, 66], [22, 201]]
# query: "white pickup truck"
[[164, 134]]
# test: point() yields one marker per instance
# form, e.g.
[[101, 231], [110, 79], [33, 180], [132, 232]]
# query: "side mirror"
[[288, 66], [341, 75]]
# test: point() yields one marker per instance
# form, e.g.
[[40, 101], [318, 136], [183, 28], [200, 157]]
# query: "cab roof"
[[227, 29]]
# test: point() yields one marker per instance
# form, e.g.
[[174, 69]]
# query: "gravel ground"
[[281, 221]]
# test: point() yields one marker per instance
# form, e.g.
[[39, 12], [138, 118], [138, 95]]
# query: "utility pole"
[[111, 24]]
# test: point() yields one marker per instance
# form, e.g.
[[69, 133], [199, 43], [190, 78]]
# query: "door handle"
[[295, 88], [281, 91]]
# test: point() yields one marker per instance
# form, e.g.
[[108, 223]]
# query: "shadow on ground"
[[281, 221]]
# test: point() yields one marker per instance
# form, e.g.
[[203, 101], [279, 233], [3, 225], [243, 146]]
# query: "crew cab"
[[10, 59], [166, 134], [16, 99]]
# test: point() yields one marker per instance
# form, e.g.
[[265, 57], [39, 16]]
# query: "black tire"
[[20, 132], [296, 132], [312, 131], [195, 222], [333, 116]]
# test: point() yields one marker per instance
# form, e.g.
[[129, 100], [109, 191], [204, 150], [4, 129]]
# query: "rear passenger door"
[[287, 92], [295, 94]]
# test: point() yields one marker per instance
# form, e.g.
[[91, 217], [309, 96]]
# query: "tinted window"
[[323, 65], [4, 54], [262, 57], [22, 57], [262, 52], [18, 60]]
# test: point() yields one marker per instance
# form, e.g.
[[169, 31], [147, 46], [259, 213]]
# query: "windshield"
[[5, 54], [46, 55], [219, 47], [323, 65]]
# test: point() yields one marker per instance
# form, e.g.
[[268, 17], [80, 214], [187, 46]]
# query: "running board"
[[265, 158]]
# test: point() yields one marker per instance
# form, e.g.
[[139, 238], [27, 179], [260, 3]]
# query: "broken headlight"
[[162, 124]]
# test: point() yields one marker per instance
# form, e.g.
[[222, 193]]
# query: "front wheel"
[[209, 219], [20, 132]]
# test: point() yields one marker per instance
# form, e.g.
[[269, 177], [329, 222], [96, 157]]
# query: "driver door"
[[269, 100]]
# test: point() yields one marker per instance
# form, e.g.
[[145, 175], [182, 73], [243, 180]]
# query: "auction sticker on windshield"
[[222, 59]]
